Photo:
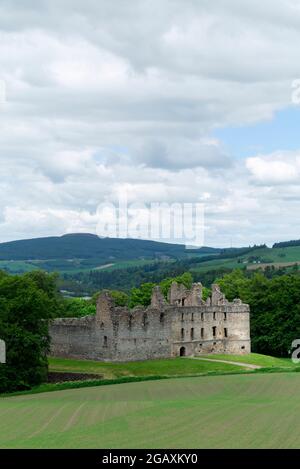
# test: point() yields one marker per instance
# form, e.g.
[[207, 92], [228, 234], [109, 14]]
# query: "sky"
[[166, 101]]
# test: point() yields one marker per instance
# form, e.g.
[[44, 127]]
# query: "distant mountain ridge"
[[87, 246]]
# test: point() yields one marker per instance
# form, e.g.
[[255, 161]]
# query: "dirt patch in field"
[[57, 377]]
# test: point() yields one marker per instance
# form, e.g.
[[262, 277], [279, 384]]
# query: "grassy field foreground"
[[237, 411], [265, 361], [168, 367]]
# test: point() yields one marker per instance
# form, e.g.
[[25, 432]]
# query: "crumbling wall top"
[[217, 297], [158, 300], [177, 294], [105, 306], [194, 296]]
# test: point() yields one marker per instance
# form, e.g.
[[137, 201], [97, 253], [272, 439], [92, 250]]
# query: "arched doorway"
[[182, 351]]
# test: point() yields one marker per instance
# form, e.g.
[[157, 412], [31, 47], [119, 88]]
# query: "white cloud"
[[103, 96], [278, 168]]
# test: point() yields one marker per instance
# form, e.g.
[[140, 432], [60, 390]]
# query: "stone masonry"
[[185, 325]]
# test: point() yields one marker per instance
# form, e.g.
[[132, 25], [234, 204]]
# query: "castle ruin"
[[185, 325]]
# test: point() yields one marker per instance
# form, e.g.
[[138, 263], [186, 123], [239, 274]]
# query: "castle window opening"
[[214, 331], [192, 333], [130, 322], [243, 347], [225, 316], [161, 318], [192, 316], [182, 333], [202, 333], [102, 325], [182, 317], [214, 315], [182, 351], [183, 301], [225, 332], [145, 320], [105, 341], [202, 316]]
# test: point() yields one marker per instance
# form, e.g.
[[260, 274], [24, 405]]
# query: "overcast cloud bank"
[[104, 97]]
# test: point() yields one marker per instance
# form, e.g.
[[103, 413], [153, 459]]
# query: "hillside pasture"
[[167, 367], [277, 257], [263, 361], [237, 411]]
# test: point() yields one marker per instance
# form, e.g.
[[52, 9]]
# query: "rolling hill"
[[85, 246], [74, 254], [84, 251]]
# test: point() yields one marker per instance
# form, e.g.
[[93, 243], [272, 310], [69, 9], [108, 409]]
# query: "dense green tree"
[[275, 308], [78, 307], [206, 292], [234, 284], [120, 298], [26, 304], [186, 279], [141, 296]]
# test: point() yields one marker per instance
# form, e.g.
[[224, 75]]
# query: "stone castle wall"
[[185, 325]]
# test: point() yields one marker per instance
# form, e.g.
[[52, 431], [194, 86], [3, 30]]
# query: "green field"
[[16, 267], [264, 361], [118, 265], [237, 411], [267, 255], [72, 266], [168, 367]]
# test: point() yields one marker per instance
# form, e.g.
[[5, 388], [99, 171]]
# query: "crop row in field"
[[237, 411]]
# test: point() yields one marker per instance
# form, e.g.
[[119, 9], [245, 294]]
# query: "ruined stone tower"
[[185, 325]]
